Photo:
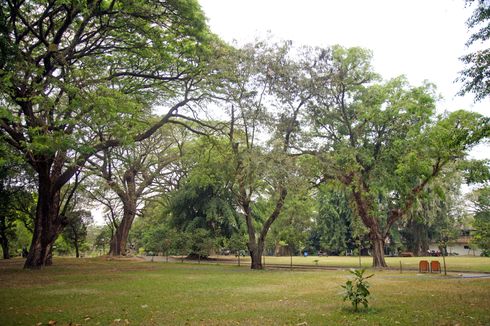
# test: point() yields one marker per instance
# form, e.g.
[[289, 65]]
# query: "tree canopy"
[[299, 138], [476, 74]]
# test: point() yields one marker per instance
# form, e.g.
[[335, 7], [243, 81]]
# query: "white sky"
[[421, 39]]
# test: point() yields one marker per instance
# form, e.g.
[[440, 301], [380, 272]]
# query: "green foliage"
[[295, 223], [356, 290], [75, 232], [102, 237], [159, 238], [62, 246], [151, 230], [85, 79], [22, 238], [334, 221], [481, 223], [203, 244], [475, 76], [475, 171], [236, 243], [382, 140], [437, 212], [204, 199], [183, 243], [17, 203]]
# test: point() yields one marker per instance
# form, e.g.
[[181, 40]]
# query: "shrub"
[[356, 290]]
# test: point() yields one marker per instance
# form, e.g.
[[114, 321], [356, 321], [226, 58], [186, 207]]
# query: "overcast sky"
[[421, 39]]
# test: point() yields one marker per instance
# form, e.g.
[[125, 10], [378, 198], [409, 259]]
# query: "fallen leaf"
[[52, 322]]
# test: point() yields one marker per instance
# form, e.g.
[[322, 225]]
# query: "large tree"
[[382, 140], [77, 75], [135, 173], [260, 86]]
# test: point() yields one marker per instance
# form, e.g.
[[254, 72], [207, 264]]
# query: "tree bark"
[[377, 250], [75, 242], [5, 249], [255, 247], [120, 237], [256, 251], [3, 237], [47, 225], [376, 235]]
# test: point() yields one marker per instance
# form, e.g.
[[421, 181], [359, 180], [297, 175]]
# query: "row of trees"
[[80, 80], [325, 223]]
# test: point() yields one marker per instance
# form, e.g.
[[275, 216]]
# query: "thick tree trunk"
[[378, 245], [5, 249], [375, 234], [3, 239], [47, 225], [120, 237], [256, 251], [256, 245]]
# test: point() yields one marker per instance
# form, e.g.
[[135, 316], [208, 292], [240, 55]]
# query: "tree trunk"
[[5, 248], [256, 255], [77, 251], [120, 237], [47, 225], [378, 246], [377, 239], [3, 238]]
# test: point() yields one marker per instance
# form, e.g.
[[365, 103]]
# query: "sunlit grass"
[[100, 292]]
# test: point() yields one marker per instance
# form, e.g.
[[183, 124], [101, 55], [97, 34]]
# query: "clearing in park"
[[98, 291]]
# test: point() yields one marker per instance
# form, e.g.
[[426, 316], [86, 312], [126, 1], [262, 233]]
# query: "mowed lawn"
[[121, 292], [453, 263]]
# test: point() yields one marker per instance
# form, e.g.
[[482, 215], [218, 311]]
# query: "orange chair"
[[424, 266], [435, 266]]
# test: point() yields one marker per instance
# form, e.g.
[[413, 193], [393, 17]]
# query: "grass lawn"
[[453, 263], [101, 292]]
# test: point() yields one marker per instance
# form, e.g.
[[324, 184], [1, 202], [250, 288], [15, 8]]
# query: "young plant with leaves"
[[357, 290]]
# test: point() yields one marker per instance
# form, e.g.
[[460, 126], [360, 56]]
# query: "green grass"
[[453, 263], [100, 292]]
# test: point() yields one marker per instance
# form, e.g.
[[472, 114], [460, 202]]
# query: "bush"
[[356, 290]]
